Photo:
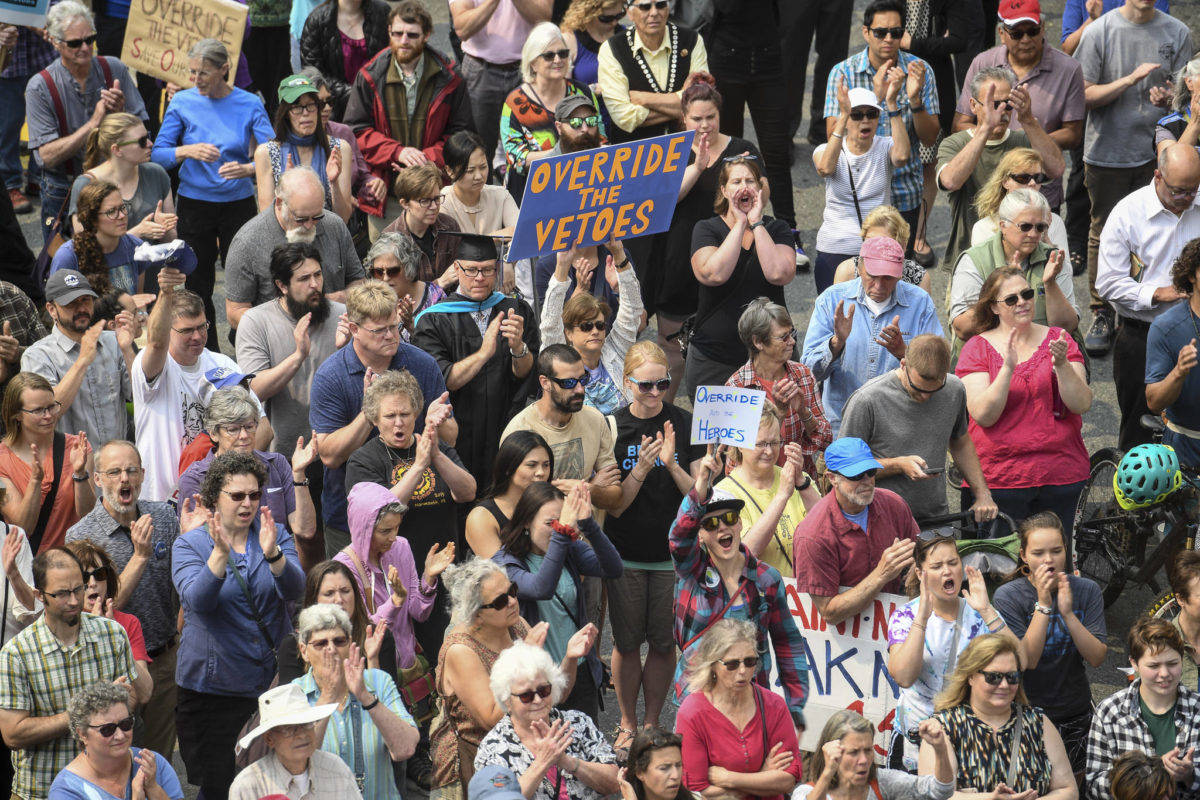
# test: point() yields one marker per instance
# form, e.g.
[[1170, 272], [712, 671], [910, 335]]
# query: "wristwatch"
[[278, 555], [524, 351], [758, 224], [894, 113]]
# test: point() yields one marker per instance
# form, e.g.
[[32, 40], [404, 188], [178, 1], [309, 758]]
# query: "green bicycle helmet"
[[1146, 475]]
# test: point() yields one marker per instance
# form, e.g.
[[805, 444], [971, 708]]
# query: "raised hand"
[[1059, 348], [843, 96], [341, 336], [832, 750], [397, 585], [437, 560], [81, 455], [170, 279], [1053, 267], [10, 348], [267, 535], [301, 336], [976, 592], [581, 642], [11, 549], [930, 730], [891, 339], [304, 454], [710, 465], [989, 116], [140, 533], [843, 323], [584, 269], [1187, 358]]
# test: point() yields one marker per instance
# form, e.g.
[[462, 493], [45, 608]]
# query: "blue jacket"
[[600, 560], [222, 650]]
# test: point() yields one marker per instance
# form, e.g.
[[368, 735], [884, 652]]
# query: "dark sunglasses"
[[238, 497], [1013, 299], [386, 272], [994, 678], [862, 475], [867, 113], [550, 55], [570, 383], [578, 122], [143, 141], [109, 728], [740, 157], [1026, 227], [75, 44], [587, 327], [749, 662], [646, 386], [883, 33], [336, 641], [1021, 33], [729, 517], [542, 691], [645, 7], [501, 601], [608, 19], [1025, 177], [99, 573]]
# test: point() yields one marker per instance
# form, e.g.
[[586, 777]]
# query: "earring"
[[1025, 569]]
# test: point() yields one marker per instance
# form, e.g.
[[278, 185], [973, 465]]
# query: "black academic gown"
[[485, 404]]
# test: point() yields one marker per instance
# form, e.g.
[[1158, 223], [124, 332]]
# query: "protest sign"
[[847, 666], [160, 33], [581, 199], [24, 12], [726, 415]]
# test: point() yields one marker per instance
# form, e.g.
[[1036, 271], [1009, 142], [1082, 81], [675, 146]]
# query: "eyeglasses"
[[599, 325], [132, 472], [647, 386], [1020, 33], [542, 691], [739, 157], [141, 141], [201, 328], [383, 333], [305, 220], [386, 272], [337, 641], [918, 389], [1024, 178], [994, 678], [862, 476], [883, 33], [608, 19], [790, 336], [1013, 299], [239, 497], [237, 430], [44, 411], [429, 202], [307, 108], [1026, 227], [292, 731], [109, 728], [501, 600], [577, 123], [75, 44], [770, 444], [1176, 192], [570, 383], [475, 272], [116, 212], [858, 115], [405, 34], [731, 664], [99, 573], [63, 594], [728, 517], [553, 55], [645, 7]]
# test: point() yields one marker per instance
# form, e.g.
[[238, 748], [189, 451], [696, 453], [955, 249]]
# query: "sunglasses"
[[414, 35], [1026, 227], [994, 678], [100, 574], [739, 157], [501, 601], [883, 33], [238, 497], [646, 386], [712, 523], [599, 325], [862, 475], [551, 55], [109, 728], [542, 691], [1020, 33], [645, 7], [749, 662], [386, 272], [1013, 299], [1026, 177], [608, 19], [336, 641], [866, 113], [578, 122], [142, 141], [75, 44], [570, 383]]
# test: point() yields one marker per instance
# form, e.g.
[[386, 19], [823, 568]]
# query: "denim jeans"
[[12, 114]]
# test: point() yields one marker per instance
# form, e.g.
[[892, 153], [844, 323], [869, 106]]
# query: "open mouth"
[[948, 585], [125, 495], [725, 540], [91, 598]]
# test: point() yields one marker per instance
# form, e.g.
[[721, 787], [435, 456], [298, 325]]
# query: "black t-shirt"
[[640, 533], [432, 513], [744, 25], [720, 306]]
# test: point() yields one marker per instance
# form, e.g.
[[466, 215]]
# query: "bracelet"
[[993, 621], [372, 704], [304, 482], [80, 478], [920, 625], [759, 224], [624, 263], [565, 530], [524, 351], [916, 109], [895, 113], [1047, 610], [807, 483], [836, 135], [278, 555]]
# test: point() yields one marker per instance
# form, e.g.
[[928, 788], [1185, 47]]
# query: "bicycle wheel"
[[1165, 606], [1099, 552]]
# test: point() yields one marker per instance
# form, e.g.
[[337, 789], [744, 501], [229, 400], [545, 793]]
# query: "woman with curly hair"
[[587, 25], [1018, 169], [101, 248]]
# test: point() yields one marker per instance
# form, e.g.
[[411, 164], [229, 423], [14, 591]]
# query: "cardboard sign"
[[161, 32], [727, 415], [847, 666], [581, 199], [24, 12]]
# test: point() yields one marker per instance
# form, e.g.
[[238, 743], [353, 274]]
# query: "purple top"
[[354, 55]]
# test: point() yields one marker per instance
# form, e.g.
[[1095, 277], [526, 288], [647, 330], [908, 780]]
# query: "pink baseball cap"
[[1013, 11], [882, 257]]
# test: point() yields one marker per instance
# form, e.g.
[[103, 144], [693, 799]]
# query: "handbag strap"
[[262, 628], [774, 531], [854, 193], [7, 589], [762, 718], [720, 616], [39, 529], [1010, 777], [362, 577]]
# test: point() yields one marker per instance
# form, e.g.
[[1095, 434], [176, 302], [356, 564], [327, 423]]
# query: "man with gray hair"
[[67, 100], [968, 158], [298, 215]]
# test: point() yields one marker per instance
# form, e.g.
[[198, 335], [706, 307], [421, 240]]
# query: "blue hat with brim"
[[850, 456], [494, 782]]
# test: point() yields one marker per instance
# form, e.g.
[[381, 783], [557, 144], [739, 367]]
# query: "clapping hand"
[[916, 80], [304, 455], [1022, 105], [436, 561], [1180, 765], [193, 515], [1187, 358], [140, 533], [12, 548], [267, 535], [843, 95], [10, 348], [374, 642], [581, 642], [976, 592], [879, 82], [551, 742], [648, 455], [1059, 349], [81, 455], [1053, 267], [891, 339], [667, 453], [577, 506], [1162, 96], [843, 323], [1010, 351], [399, 589], [333, 165], [354, 666]]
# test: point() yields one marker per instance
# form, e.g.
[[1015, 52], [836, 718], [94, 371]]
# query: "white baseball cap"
[[860, 97]]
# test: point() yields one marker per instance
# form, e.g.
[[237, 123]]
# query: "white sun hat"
[[284, 705]]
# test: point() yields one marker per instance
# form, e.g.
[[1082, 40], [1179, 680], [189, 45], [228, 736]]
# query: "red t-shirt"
[[133, 629]]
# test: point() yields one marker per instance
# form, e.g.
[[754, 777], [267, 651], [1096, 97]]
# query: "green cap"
[[293, 87]]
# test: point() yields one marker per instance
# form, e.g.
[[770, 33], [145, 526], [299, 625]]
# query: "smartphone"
[[937, 471]]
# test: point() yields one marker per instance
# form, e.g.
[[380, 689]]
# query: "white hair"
[[542, 34], [291, 179], [523, 662], [322, 617], [464, 584], [1019, 200], [63, 15]]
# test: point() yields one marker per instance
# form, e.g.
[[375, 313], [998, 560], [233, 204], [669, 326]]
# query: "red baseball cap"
[[1014, 11], [882, 256]]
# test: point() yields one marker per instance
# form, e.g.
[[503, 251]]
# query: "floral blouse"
[[502, 747], [983, 754], [528, 126]]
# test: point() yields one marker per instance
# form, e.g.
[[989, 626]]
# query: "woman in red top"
[[727, 720], [1026, 390]]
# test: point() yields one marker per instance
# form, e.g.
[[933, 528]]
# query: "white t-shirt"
[[841, 230], [168, 413]]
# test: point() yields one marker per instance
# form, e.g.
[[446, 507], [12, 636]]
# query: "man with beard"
[[87, 365], [137, 535], [852, 528], [404, 104], [577, 123], [298, 215], [485, 350], [48, 662]]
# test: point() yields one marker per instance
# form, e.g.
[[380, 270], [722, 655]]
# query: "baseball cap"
[[494, 782], [720, 500], [224, 377], [570, 104], [293, 87], [1013, 11], [882, 256], [850, 456], [860, 97], [66, 286]]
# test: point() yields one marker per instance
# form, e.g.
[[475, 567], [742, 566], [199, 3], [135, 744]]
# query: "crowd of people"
[[366, 544]]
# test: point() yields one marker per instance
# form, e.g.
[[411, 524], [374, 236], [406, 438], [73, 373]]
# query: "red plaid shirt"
[[792, 428]]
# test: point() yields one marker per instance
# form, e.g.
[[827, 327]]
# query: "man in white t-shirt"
[[170, 385]]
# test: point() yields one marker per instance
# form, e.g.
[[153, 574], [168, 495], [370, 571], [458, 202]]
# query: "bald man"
[[1142, 237], [297, 215]]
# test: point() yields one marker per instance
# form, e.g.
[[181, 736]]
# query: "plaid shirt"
[[858, 72], [39, 675], [30, 54], [792, 428], [1117, 726], [19, 311], [700, 595]]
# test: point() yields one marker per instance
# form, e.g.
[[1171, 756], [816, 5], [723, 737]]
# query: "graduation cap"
[[476, 247]]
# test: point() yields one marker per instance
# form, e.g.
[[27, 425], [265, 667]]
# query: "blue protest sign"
[[581, 199], [24, 12]]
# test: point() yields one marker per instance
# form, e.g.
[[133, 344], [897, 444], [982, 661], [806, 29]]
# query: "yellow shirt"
[[614, 84], [779, 549]]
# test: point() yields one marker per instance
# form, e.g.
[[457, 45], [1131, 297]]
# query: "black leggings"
[[208, 228]]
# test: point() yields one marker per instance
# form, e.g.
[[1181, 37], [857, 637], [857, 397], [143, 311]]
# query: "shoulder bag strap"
[[7, 589], [854, 192], [362, 577], [262, 628], [774, 531], [720, 616], [1010, 777], [758, 707], [360, 767], [39, 529]]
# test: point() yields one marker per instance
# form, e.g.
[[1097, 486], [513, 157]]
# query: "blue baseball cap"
[[494, 782], [224, 377], [850, 456]]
